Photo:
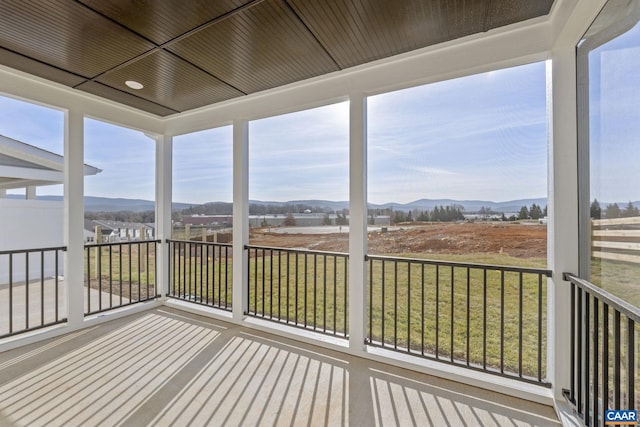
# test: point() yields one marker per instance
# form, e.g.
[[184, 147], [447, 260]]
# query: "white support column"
[[3, 193], [31, 193], [164, 196], [240, 217], [357, 221], [563, 243], [74, 217]]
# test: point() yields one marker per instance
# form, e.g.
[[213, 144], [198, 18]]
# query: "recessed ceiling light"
[[134, 84]]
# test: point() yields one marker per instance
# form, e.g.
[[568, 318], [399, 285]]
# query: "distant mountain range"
[[422, 204], [105, 204]]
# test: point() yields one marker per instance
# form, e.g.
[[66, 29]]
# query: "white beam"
[[357, 221], [240, 217], [74, 216], [31, 174], [164, 195]]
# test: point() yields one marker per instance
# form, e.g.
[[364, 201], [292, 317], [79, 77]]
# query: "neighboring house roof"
[[90, 225], [109, 226], [23, 165]]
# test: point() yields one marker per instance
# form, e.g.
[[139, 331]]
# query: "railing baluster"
[[484, 319], [288, 284], [631, 361], [408, 306], [468, 313], [596, 374], [271, 284], [422, 309], [572, 395], [395, 305], [279, 284], [370, 280], [605, 357], [10, 293], [617, 346], [520, 308], [382, 310], [202, 262], [539, 327], [99, 276], [110, 278], [41, 288], [452, 319], [437, 310], [502, 321], [26, 289], [324, 297], [57, 274], [306, 291], [88, 251], [580, 353], [587, 358]]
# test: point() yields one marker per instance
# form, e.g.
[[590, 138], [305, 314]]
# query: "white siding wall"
[[29, 224]]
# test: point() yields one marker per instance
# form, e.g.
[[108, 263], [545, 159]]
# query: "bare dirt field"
[[513, 239]]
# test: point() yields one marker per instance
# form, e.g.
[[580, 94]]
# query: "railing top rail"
[[293, 250], [630, 311], [198, 241], [127, 242], [464, 264], [22, 251]]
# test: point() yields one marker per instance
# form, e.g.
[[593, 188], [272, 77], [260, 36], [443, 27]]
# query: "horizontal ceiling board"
[[359, 31], [66, 35], [259, 48], [503, 13], [163, 20], [125, 98], [170, 81], [19, 62], [464, 17]]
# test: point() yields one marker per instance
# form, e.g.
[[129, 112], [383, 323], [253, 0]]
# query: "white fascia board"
[[29, 153], [504, 47], [29, 88], [23, 183], [38, 156], [31, 174]]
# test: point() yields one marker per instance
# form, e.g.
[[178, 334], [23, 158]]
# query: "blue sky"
[[478, 137]]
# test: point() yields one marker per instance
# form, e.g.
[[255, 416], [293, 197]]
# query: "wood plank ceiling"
[[193, 53]]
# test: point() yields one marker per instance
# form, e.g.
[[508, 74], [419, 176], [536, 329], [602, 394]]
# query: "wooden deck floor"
[[164, 367]]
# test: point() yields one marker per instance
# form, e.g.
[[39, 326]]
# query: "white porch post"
[[31, 193], [357, 221], [240, 217], [164, 195], [74, 217], [563, 244]]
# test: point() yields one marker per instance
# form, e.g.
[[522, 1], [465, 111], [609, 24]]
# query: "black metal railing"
[[119, 274], [484, 317], [302, 288], [31, 294], [604, 352], [201, 273]]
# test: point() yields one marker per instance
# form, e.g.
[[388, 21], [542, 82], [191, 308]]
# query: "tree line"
[[612, 210]]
